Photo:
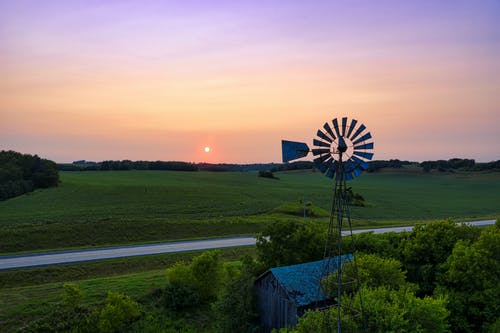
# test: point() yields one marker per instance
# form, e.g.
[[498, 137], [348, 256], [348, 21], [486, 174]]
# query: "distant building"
[[285, 293]]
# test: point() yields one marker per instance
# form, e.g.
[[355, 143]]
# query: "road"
[[64, 257]]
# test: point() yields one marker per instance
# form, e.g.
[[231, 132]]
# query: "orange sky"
[[153, 80]]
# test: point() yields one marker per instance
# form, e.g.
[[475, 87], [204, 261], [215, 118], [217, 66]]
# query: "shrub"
[[119, 310], [72, 296]]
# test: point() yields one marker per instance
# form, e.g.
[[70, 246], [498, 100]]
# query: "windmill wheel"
[[342, 150]]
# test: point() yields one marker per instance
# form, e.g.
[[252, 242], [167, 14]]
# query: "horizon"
[[164, 80]]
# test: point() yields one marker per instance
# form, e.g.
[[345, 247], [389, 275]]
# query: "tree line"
[[23, 173], [450, 165], [109, 165]]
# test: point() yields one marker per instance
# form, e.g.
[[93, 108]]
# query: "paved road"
[[62, 257]]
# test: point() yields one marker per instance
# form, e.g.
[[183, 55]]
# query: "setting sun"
[[207, 149]]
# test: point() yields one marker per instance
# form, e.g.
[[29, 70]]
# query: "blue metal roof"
[[302, 281]]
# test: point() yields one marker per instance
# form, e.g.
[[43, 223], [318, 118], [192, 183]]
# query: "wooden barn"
[[285, 293]]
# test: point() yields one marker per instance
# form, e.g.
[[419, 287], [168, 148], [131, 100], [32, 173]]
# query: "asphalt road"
[[63, 257]]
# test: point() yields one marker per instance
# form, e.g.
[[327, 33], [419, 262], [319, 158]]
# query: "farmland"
[[125, 207]]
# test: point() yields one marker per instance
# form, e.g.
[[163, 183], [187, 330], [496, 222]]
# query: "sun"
[[207, 149]]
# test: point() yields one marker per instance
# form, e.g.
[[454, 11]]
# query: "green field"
[[124, 207]]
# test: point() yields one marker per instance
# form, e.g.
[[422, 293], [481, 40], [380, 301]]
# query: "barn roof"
[[301, 282]]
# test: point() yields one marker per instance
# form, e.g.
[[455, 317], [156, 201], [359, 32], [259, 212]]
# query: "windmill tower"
[[341, 153]]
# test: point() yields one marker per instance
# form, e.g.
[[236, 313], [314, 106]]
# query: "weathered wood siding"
[[275, 308]]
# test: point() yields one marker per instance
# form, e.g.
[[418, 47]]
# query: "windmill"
[[341, 153]]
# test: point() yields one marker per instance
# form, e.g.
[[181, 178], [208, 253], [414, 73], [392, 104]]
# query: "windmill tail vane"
[[343, 150]]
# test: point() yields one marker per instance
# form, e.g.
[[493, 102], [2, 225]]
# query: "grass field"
[[29, 294], [124, 207], [105, 208]]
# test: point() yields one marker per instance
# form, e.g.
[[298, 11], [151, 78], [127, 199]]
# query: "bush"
[[72, 296], [188, 285], [119, 310], [234, 309]]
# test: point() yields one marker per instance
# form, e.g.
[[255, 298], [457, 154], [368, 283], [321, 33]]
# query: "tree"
[[188, 285], [287, 243], [22, 173], [72, 296], [385, 310], [234, 307], [470, 279], [429, 245], [374, 271], [119, 310]]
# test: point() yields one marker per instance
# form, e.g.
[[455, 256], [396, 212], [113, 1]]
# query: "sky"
[[162, 80]]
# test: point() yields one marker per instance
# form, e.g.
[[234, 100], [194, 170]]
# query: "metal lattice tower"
[[342, 153]]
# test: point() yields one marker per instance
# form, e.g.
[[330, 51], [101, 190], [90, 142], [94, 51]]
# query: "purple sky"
[[163, 79]]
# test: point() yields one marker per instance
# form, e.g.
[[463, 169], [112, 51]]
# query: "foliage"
[[355, 199], [385, 310], [429, 245], [374, 271], [380, 164], [288, 243], [118, 311], [385, 245], [234, 308], [267, 174], [207, 273], [181, 291], [470, 278], [72, 296], [188, 285], [451, 164], [22, 173]]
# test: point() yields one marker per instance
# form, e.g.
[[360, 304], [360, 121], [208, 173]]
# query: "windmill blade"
[[292, 150], [318, 143], [330, 173], [327, 128], [344, 124], [336, 126], [368, 156], [323, 136], [358, 132], [332, 170], [320, 151], [349, 166], [363, 138], [360, 163], [357, 172], [321, 159], [326, 165], [351, 127], [365, 146]]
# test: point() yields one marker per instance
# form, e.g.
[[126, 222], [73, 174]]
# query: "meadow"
[[124, 207]]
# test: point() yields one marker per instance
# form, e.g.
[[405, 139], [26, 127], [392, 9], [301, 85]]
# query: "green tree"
[[188, 285], [118, 311], [291, 242], [72, 296], [470, 277], [207, 273], [374, 271], [181, 290], [428, 246], [234, 307], [385, 310]]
